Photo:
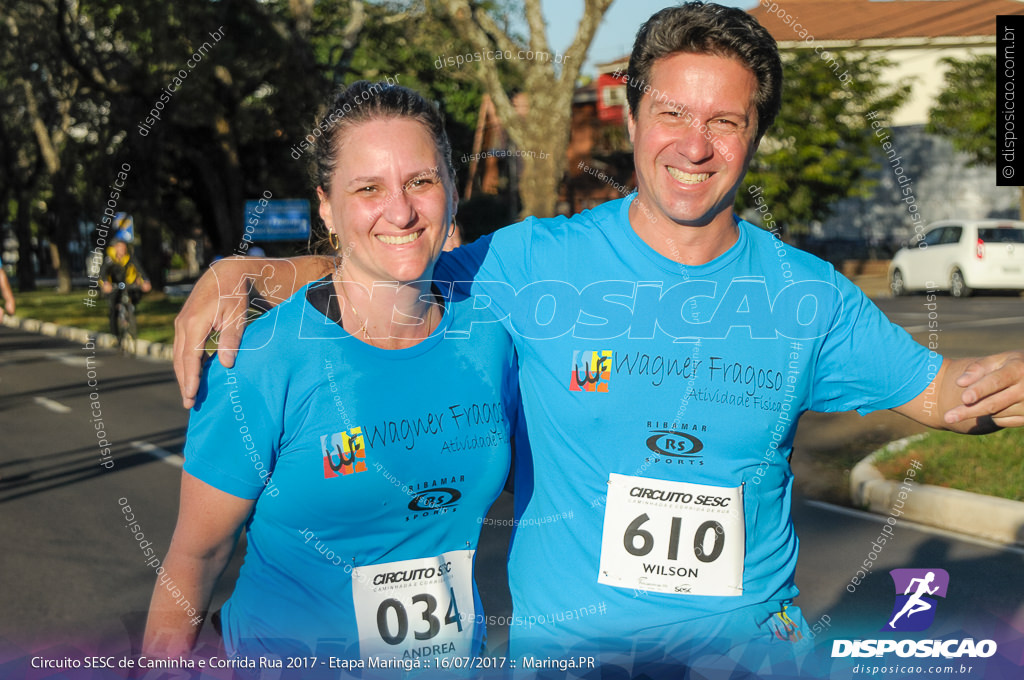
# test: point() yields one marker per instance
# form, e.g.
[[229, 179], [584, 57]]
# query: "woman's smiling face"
[[390, 202]]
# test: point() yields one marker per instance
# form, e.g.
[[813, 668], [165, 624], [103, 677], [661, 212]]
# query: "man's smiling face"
[[685, 173]]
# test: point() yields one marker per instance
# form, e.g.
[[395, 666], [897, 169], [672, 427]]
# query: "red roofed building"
[[862, 21], [913, 34]]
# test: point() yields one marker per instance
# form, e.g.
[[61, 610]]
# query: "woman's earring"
[[452, 230], [333, 239]]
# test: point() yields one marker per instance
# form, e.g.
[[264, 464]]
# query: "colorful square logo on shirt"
[[591, 370], [344, 452]]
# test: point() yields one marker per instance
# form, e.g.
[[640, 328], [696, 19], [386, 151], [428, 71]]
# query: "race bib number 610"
[[672, 537]]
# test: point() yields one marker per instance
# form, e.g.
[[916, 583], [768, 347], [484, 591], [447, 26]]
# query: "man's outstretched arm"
[[219, 301], [973, 396]]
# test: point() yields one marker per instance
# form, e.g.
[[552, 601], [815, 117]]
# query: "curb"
[[995, 519], [143, 348], [874, 287]]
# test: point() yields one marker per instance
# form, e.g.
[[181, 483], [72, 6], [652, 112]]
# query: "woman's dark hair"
[[362, 102], [707, 28]]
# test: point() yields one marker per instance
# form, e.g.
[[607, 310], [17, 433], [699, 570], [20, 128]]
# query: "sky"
[[614, 38]]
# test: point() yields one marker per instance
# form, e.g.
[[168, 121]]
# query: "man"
[[6, 293], [119, 267], [667, 350]]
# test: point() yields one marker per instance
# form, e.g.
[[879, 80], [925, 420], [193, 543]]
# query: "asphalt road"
[[965, 326], [73, 576]]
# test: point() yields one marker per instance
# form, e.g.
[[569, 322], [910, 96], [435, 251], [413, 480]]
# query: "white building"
[[915, 35]]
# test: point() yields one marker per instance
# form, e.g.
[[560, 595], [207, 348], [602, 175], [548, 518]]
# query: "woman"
[[339, 439]]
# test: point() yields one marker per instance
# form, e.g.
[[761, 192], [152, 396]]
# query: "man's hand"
[[107, 287], [972, 396], [146, 286], [219, 302], [993, 388]]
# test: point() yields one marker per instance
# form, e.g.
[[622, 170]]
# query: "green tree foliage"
[[80, 80], [821, 148], [965, 111], [95, 72], [405, 39], [21, 163]]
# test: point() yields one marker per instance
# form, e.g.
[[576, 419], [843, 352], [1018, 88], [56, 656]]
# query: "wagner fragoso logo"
[[917, 591], [591, 370], [344, 452]]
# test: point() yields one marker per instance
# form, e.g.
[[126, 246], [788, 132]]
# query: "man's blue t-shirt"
[[372, 471], [661, 402]]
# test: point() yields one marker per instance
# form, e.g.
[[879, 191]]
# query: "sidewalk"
[[143, 348], [995, 519]]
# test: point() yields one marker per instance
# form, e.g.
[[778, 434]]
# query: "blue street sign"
[[280, 220]]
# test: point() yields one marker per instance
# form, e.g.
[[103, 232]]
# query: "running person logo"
[[916, 590], [591, 370], [344, 452], [914, 611]]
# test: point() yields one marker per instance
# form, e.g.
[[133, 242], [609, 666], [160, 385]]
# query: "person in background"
[[6, 293], [121, 267]]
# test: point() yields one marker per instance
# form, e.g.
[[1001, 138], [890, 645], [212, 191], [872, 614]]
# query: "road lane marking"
[[861, 514], [174, 459], [52, 405], [977, 323], [66, 358]]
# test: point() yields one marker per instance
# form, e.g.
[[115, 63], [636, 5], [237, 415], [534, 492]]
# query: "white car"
[[962, 256]]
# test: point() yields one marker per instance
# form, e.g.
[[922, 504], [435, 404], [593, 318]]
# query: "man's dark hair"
[[707, 28]]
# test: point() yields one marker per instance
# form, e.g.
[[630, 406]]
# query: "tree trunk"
[[538, 187], [23, 230], [544, 127], [61, 257], [224, 186], [152, 254], [234, 194], [64, 211], [544, 138], [214, 205], [146, 190]]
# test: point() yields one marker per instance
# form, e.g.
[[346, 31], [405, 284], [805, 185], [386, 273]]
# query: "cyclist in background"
[[121, 266]]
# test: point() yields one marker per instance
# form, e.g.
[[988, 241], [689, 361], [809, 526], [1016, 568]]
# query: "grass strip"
[[991, 464], [155, 312]]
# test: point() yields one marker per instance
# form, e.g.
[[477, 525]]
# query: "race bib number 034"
[[416, 608], [672, 537]]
